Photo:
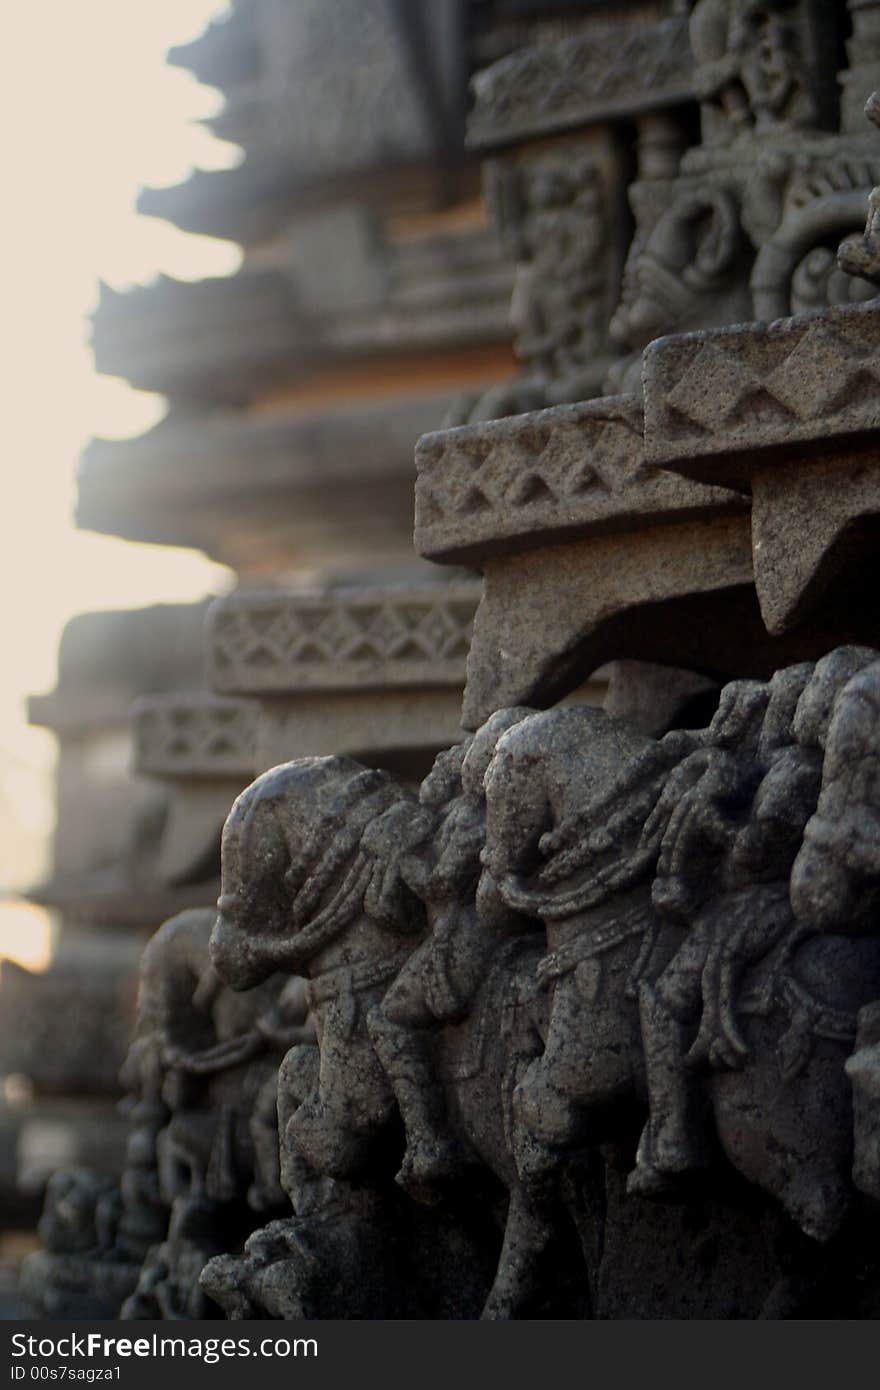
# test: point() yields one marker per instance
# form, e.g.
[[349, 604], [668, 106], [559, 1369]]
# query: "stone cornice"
[[304, 468], [788, 412], [212, 339], [716, 398], [107, 658], [245, 203]]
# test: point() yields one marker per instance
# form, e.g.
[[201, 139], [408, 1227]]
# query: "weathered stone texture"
[[797, 383], [582, 1020], [537, 479]]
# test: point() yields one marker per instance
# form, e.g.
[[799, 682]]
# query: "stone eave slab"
[[369, 638], [544, 478], [291, 451], [245, 203], [718, 402], [790, 412], [225, 51]]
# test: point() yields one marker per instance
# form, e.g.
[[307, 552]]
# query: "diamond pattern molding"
[[202, 734], [411, 635], [731, 391], [554, 474]]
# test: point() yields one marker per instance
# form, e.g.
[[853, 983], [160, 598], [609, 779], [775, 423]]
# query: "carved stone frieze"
[[203, 748], [374, 671], [556, 209], [759, 67], [606, 72], [728, 391], [582, 1021], [862, 73], [582, 967]]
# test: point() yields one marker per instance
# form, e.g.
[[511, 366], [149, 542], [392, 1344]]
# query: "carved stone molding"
[[348, 639], [610, 71], [787, 410], [552, 475], [722, 393]]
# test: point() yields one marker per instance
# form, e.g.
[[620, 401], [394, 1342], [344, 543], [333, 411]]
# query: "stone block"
[[789, 412], [714, 398]]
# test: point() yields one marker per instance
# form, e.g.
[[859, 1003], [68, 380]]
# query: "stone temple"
[[506, 893]]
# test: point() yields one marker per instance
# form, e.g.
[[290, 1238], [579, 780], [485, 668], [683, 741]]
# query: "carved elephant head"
[[290, 864]]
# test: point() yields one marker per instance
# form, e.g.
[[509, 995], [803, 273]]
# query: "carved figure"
[[203, 1146], [439, 980], [686, 272], [835, 883], [749, 65], [300, 829], [551, 213], [860, 255], [670, 881], [574, 936]]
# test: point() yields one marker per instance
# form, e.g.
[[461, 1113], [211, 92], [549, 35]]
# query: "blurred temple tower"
[[373, 295]]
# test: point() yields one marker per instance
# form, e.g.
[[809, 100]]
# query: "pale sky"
[[91, 113]]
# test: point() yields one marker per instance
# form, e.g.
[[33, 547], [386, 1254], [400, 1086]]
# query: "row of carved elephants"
[[574, 946]]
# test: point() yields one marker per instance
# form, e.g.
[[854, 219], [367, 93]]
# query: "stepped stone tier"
[[183, 482], [582, 1019], [372, 671], [109, 823]]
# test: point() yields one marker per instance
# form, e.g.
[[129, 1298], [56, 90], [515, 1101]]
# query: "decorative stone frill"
[[790, 412], [350, 670], [198, 735]]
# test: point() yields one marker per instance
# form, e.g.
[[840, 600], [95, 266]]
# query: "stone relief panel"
[[759, 67], [749, 225], [580, 968]]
